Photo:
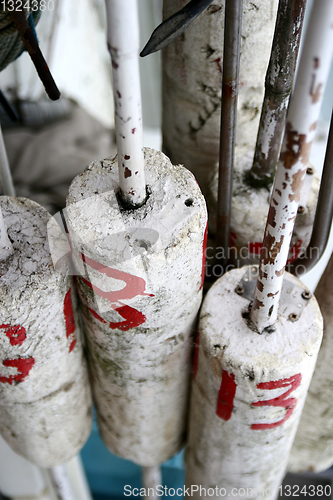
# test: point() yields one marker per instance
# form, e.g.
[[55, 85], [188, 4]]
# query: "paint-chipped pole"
[[139, 335], [69, 429], [252, 369], [301, 124]]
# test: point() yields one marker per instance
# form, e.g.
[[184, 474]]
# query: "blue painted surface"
[[108, 474]]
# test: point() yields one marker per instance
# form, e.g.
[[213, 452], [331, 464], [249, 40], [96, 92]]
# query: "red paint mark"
[[97, 316], [295, 251], [225, 399], [196, 355], [255, 247], [23, 366], [16, 334], [204, 249], [282, 400], [69, 319], [232, 238]]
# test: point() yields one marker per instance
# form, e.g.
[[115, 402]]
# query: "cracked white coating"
[[45, 399], [192, 81], [139, 336], [232, 442]]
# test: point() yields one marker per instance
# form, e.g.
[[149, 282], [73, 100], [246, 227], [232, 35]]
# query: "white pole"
[[301, 122], [5, 175], [61, 483], [151, 478], [123, 43]]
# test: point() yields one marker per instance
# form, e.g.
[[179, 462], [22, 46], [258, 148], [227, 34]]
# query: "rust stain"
[[292, 218], [297, 149], [118, 94], [272, 294], [297, 186], [283, 226], [280, 273], [316, 62], [257, 304], [260, 286], [275, 202], [262, 274], [127, 157], [284, 185], [271, 216], [127, 173], [133, 130], [287, 176], [315, 91], [278, 192], [114, 64]]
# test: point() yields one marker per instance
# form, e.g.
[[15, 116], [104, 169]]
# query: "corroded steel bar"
[[302, 118], [324, 215], [174, 26], [278, 87], [230, 80], [123, 43]]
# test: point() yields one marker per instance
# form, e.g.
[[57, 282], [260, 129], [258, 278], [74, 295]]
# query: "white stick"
[[302, 117], [6, 247], [151, 478], [5, 175], [60, 481], [123, 43]]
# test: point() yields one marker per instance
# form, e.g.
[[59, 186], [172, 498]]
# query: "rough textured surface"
[[249, 213], [45, 400], [139, 335], [313, 446], [192, 80], [234, 442]]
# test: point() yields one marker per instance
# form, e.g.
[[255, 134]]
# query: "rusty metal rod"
[[302, 118], [278, 87], [174, 26], [31, 44], [230, 78], [323, 218]]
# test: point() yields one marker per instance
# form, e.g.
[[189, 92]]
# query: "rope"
[[11, 45]]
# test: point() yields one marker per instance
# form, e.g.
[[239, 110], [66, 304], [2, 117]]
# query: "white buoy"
[[192, 76], [45, 400], [142, 274], [313, 446], [123, 43], [248, 391]]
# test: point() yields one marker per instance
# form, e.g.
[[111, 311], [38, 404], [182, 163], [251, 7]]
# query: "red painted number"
[[135, 287], [225, 399], [283, 400], [69, 319], [16, 334]]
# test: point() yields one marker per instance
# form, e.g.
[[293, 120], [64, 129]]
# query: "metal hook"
[[174, 26]]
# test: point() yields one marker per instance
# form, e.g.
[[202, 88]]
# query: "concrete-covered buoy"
[[248, 390], [192, 82], [45, 398], [140, 290], [313, 446]]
